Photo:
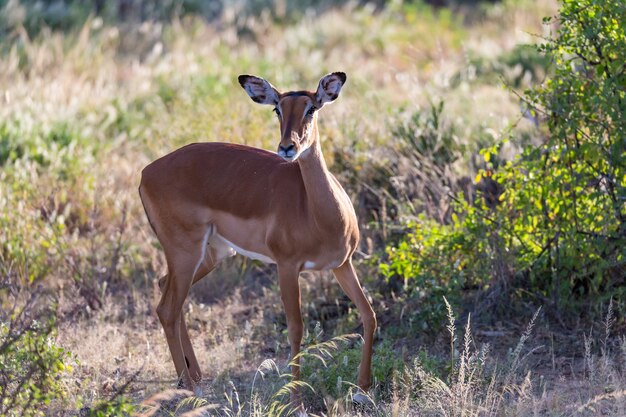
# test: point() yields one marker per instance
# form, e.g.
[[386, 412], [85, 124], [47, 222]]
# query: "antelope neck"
[[320, 188]]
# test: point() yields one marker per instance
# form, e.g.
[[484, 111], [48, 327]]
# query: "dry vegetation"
[[81, 113]]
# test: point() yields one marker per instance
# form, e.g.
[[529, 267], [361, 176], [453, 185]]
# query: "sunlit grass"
[[82, 113]]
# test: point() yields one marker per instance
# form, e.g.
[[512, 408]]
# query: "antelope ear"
[[329, 88], [259, 90]]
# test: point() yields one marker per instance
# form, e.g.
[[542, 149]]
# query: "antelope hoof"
[[362, 399], [193, 386]]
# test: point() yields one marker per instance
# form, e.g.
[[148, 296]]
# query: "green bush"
[[118, 405], [34, 215], [31, 364], [557, 232], [569, 193], [435, 261]]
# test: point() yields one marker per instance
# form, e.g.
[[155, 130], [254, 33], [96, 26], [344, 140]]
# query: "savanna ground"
[[433, 106]]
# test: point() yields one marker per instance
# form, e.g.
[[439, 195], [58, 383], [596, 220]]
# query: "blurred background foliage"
[[486, 164], [34, 15]]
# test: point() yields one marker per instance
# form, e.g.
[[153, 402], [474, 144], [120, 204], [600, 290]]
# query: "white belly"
[[313, 266], [228, 248]]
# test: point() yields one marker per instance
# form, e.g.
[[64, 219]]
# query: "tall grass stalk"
[[473, 387], [451, 331]]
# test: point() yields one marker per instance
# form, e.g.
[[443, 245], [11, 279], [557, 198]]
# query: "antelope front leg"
[[290, 295], [348, 280]]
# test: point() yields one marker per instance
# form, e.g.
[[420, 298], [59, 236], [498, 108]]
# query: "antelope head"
[[296, 110]]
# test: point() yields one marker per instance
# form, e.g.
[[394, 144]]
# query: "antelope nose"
[[286, 149]]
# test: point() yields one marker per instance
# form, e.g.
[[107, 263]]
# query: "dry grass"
[[129, 95]]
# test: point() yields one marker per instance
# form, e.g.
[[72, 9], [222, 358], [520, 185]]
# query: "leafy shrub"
[[31, 364], [435, 261], [120, 406], [569, 193], [559, 226], [33, 216], [117, 405]]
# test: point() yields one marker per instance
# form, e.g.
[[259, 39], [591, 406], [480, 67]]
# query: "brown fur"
[[294, 212]]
